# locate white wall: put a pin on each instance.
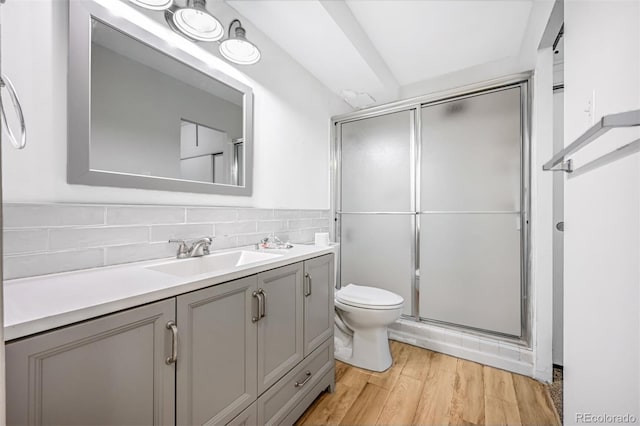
(525, 61)
(602, 211)
(292, 111)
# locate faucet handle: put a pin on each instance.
(183, 249)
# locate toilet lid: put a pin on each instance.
(363, 296)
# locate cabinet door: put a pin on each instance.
(319, 284)
(280, 329)
(111, 370)
(216, 369)
(249, 417)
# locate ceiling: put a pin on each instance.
(380, 46)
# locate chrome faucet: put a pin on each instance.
(199, 247)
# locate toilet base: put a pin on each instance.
(370, 350)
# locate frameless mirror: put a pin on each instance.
(144, 114)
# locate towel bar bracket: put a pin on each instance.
(565, 166)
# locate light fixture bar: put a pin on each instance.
(194, 22)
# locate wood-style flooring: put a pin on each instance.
(429, 388)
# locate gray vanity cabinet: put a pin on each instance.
(319, 283)
(256, 350)
(280, 330)
(112, 369)
(216, 368)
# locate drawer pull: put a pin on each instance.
(174, 343)
(304, 382)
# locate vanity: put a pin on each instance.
(237, 337)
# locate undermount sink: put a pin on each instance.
(212, 263)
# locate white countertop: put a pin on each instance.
(36, 304)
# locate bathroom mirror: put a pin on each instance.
(145, 114)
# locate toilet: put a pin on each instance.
(362, 316)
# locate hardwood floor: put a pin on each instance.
(429, 388)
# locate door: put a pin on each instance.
(280, 331)
(471, 211)
(376, 203)
(216, 368)
(111, 370)
(319, 284)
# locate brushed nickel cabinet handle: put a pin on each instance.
(263, 298)
(304, 382)
(310, 283)
(258, 297)
(171, 325)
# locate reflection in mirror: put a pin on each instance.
(152, 115)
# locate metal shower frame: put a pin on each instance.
(522, 80)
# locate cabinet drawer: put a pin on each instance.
(277, 402)
(328, 381)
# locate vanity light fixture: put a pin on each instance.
(153, 4)
(238, 49)
(191, 19)
(194, 21)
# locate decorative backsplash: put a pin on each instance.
(43, 239)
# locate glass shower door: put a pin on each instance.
(376, 205)
(471, 212)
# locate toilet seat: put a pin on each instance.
(360, 296)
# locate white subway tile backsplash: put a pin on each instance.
(249, 239)
(69, 238)
(223, 229)
(44, 215)
(320, 223)
(272, 226)
(48, 238)
(207, 214)
(314, 214)
(286, 214)
(138, 252)
(185, 231)
(301, 235)
(50, 263)
(222, 242)
(300, 223)
(248, 214)
(25, 241)
(147, 215)
(284, 236)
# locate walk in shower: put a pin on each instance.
(431, 202)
